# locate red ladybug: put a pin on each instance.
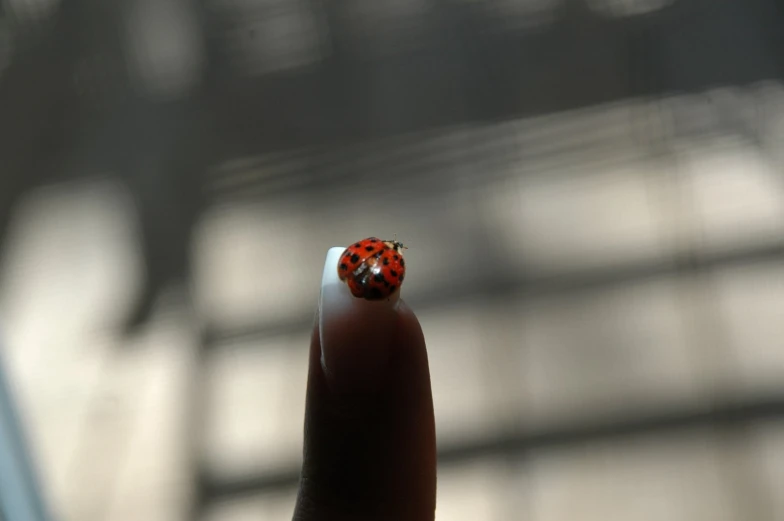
(372, 268)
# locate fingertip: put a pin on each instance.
(371, 455)
(356, 335)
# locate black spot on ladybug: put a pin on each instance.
(386, 261)
(355, 258)
(375, 293)
(343, 267)
(392, 288)
(373, 240)
(393, 273)
(403, 262)
(397, 257)
(357, 245)
(370, 248)
(379, 277)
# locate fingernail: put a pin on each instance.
(356, 335)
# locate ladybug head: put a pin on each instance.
(396, 245)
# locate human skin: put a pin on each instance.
(369, 449)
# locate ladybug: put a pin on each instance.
(372, 268)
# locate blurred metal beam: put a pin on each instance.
(726, 416)
(527, 286)
(469, 71)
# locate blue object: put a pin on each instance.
(20, 495)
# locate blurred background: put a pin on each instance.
(592, 192)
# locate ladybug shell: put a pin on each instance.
(372, 268)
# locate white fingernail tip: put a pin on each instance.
(336, 299)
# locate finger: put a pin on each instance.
(369, 430)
